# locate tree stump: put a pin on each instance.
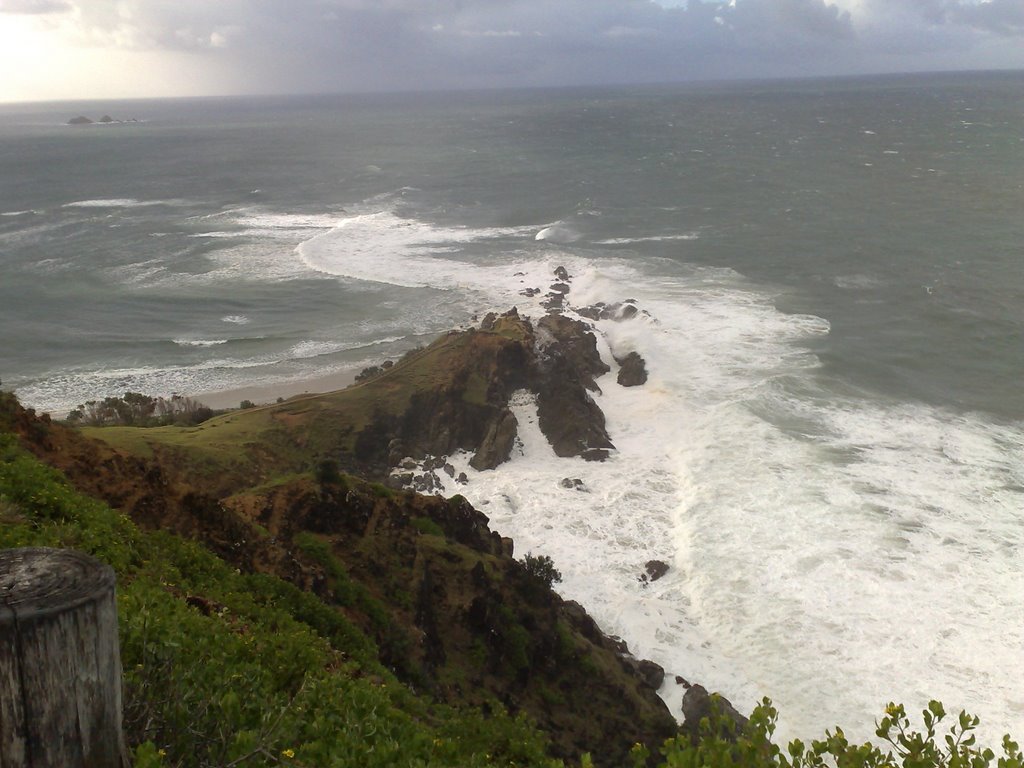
(60, 665)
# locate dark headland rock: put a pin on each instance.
(80, 120)
(454, 395)
(620, 310)
(655, 569)
(650, 673)
(698, 704)
(568, 363)
(632, 371)
(573, 341)
(497, 443)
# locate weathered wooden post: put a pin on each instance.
(60, 665)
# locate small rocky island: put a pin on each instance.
(105, 120)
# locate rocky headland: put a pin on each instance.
(328, 493)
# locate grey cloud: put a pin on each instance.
(410, 44)
(34, 6)
(1000, 16)
(1005, 17)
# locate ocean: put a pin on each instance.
(829, 452)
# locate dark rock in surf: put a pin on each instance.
(632, 371)
(553, 303)
(497, 443)
(562, 274)
(620, 310)
(650, 674)
(80, 120)
(656, 569)
(698, 704)
(568, 363)
(573, 341)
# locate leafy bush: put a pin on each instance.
(134, 409)
(719, 746)
(541, 569)
(428, 526)
(327, 473)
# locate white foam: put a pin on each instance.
(318, 348)
(118, 202)
(857, 282)
(235, 319)
(831, 552)
(648, 239)
(200, 342)
(558, 233)
(383, 247)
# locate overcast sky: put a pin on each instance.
(88, 49)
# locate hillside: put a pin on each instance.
(415, 589)
(286, 597)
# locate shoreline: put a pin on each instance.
(265, 394)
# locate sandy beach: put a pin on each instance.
(261, 394)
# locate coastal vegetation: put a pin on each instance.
(134, 409)
(286, 599)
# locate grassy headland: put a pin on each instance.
(280, 606)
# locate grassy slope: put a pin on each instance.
(243, 447)
(224, 668)
(220, 665)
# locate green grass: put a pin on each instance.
(241, 447)
(260, 672)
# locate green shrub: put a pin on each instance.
(428, 526)
(328, 473)
(718, 746)
(541, 569)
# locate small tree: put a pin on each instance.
(541, 569)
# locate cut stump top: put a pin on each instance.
(36, 582)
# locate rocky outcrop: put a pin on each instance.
(632, 370)
(699, 704)
(654, 570)
(568, 364)
(620, 310)
(573, 484)
(574, 342)
(497, 444)
(80, 120)
(478, 628)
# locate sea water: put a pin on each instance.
(829, 451)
